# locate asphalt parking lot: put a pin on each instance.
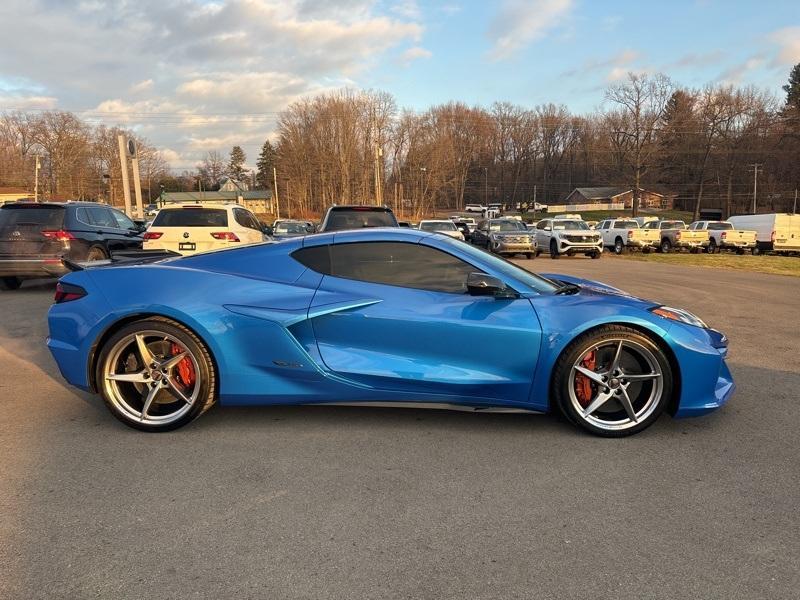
(312, 502)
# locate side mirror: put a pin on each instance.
(481, 284)
(311, 229)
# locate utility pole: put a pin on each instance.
(137, 183)
(486, 186)
(756, 169)
(36, 179)
(534, 200)
(378, 183)
(794, 208)
(123, 163)
(275, 184)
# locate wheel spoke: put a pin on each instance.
(151, 395)
(596, 377)
(642, 377)
(615, 363)
(130, 377)
(176, 391)
(171, 362)
(625, 400)
(144, 351)
(601, 399)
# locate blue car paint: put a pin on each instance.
(280, 333)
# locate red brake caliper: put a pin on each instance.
(186, 374)
(583, 385)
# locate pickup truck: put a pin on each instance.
(723, 236)
(674, 235)
(625, 234)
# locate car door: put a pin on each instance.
(249, 228)
(396, 316)
(480, 237)
(603, 229)
(543, 235)
(130, 238)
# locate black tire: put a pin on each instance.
(756, 250)
(712, 246)
(619, 246)
(740, 251)
(596, 254)
(646, 250)
(530, 255)
(10, 283)
(96, 253)
(554, 249)
(560, 382)
(206, 375)
(666, 246)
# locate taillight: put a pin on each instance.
(630, 233)
(677, 235)
(152, 235)
(724, 235)
(772, 237)
(225, 235)
(66, 292)
(58, 234)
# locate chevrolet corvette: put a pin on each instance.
(376, 316)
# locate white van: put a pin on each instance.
(777, 232)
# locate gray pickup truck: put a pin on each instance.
(675, 235)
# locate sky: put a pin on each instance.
(196, 75)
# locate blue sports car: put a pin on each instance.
(378, 316)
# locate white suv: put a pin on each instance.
(190, 228)
(567, 236)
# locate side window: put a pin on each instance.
(603, 225)
(390, 263)
(83, 216)
(540, 225)
(101, 217)
(245, 218)
(123, 222)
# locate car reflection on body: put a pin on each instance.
(350, 317)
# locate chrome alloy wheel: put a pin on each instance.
(616, 384)
(151, 378)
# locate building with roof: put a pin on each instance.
(12, 194)
(618, 195)
(257, 201)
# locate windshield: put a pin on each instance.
(507, 226)
(45, 217)
(359, 217)
(437, 226)
(627, 224)
(191, 217)
(558, 224)
(290, 228)
(720, 226)
(502, 266)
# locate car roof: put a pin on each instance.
(217, 205)
(58, 204)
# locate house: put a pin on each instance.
(618, 195)
(229, 184)
(258, 201)
(12, 194)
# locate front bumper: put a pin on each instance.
(503, 246)
(569, 246)
(31, 268)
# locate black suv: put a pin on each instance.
(35, 236)
(340, 218)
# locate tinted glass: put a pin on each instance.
(316, 258)
(507, 226)
(291, 228)
(123, 222)
(626, 224)
(191, 217)
(358, 218)
(101, 217)
(721, 226)
(542, 224)
(570, 225)
(39, 216)
(437, 226)
(673, 225)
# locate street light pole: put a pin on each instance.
(36, 180)
(756, 169)
(486, 186)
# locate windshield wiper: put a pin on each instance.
(568, 289)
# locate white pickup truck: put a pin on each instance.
(674, 236)
(625, 234)
(723, 236)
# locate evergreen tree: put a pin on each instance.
(236, 168)
(265, 164)
(792, 88)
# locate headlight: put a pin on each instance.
(678, 314)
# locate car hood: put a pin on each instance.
(589, 287)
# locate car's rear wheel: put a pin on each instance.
(619, 246)
(10, 283)
(156, 375)
(96, 253)
(612, 382)
(712, 246)
(666, 246)
(554, 249)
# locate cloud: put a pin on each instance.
(450, 9)
(617, 66)
(172, 69)
(520, 22)
(788, 40)
(415, 53)
(408, 9)
(737, 73)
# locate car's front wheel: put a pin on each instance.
(10, 283)
(156, 375)
(612, 382)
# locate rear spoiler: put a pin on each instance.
(125, 257)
